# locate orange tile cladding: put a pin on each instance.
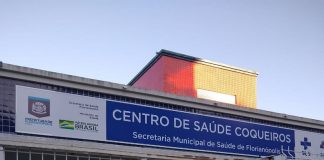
(227, 81)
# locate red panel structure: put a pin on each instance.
(179, 76)
(169, 75)
(153, 78)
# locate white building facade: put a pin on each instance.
(52, 116)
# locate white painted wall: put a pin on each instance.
(215, 96)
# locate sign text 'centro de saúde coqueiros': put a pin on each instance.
(160, 127)
(44, 112)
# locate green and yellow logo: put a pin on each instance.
(66, 124)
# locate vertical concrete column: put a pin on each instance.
(2, 153)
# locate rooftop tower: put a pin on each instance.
(185, 75)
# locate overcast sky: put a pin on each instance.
(283, 40)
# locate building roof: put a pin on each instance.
(48, 77)
(185, 57)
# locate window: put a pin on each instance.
(23, 156)
(9, 155)
(12, 153)
(36, 156)
(48, 157)
(60, 157)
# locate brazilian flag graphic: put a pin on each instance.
(66, 124)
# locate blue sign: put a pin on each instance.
(137, 124)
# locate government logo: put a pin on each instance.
(66, 124)
(38, 107)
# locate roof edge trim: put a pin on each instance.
(204, 61)
(146, 68)
(164, 52)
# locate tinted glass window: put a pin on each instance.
(48, 157)
(10, 156)
(36, 156)
(23, 156)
